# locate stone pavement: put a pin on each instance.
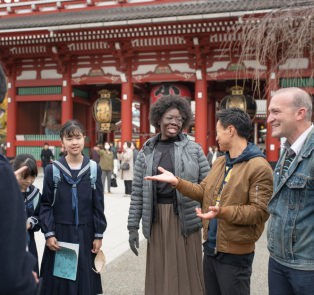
(124, 273)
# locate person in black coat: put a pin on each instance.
(16, 275)
(46, 156)
(135, 152)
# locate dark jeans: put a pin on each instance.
(128, 187)
(44, 169)
(284, 280)
(225, 279)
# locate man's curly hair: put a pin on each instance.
(169, 102)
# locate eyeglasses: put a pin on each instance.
(179, 121)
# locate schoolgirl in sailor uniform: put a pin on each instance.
(32, 199)
(74, 213)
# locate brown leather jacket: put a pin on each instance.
(243, 204)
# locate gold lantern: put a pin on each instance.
(107, 109)
(238, 99)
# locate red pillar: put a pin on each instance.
(11, 115)
(126, 106)
(67, 99)
(272, 144)
(89, 123)
(211, 122)
(201, 110)
(144, 122)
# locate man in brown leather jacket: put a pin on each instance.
(234, 197)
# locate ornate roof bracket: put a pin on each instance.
(61, 56)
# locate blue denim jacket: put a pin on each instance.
(290, 231)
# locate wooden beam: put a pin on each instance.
(36, 83)
(139, 99)
(51, 97)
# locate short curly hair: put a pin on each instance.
(169, 102)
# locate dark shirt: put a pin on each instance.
(164, 146)
(94, 156)
(115, 152)
(45, 156)
(288, 160)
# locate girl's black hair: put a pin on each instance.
(26, 160)
(169, 102)
(71, 128)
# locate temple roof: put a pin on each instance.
(199, 9)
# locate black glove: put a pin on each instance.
(133, 238)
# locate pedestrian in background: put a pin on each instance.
(31, 197)
(106, 164)
(115, 159)
(63, 152)
(126, 157)
(135, 151)
(174, 249)
(210, 156)
(46, 156)
(234, 199)
(290, 231)
(93, 154)
(216, 154)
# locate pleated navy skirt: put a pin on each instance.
(87, 281)
(33, 250)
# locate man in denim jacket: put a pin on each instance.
(291, 225)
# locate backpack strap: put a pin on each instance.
(56, 179)
(93, 174)
(35, 201)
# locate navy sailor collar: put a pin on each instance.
(31, 193)
(62, 164)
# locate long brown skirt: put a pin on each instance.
(174, 264)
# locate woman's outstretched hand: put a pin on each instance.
(166, 176)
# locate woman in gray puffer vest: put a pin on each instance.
(174, 250)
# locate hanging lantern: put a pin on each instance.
(169, 88)
(238, 99)
(107, 110)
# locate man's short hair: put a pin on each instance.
(96, 143)
(300, 99)
(237, 118)
(46, 143)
